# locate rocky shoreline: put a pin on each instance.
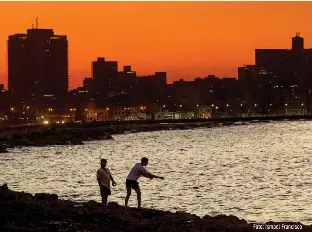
(77, 134)
(20, 211)
(51, 136)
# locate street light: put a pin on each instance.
(217, 110)
(226, 109)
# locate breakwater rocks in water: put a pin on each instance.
(73, 134)
(51, 136)
(21, 211)
(135, 128)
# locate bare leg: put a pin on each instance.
(104, 200)
(128, 196)
(138, 192)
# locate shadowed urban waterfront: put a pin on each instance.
(258, 172)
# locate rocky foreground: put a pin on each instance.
(21, 211)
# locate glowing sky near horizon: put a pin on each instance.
(185, 39)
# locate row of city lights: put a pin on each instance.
(227, 105)
(125, 108)
(143, 107)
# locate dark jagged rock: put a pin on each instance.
(4, 187)
(3, 148)
(21, 211)
(46, 196)
(72, 134)
(48, 137)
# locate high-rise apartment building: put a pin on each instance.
(292, 65)
(37, 64)
(105, 74)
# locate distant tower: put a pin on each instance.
(37, 64)
(297, 42)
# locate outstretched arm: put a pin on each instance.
(151, 176)
(157, 177)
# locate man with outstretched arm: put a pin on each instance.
(104, 177)
(131, 182)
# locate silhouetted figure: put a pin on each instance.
(131, 183)
(104, 177)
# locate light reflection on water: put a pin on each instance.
(258, 172)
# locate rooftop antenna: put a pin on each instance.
(37, 22)
(32, 26)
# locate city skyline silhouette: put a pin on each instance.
(191, 44)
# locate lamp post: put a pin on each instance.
(241, 109)
(226, 110)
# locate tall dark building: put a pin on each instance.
(37, 64)
(292, 65)
(126, 79)
(105, 74)
(151, 88)
(297, 42)
(284, 75)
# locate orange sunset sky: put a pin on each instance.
(185, 39)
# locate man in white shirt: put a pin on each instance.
(104, 177)
(131, 182)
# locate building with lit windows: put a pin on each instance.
(292, 65)
(104, 74)
(37, 64)
(127, 79)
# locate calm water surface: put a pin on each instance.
(258, 172)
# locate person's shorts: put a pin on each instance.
(132, 184)
(105, 191)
